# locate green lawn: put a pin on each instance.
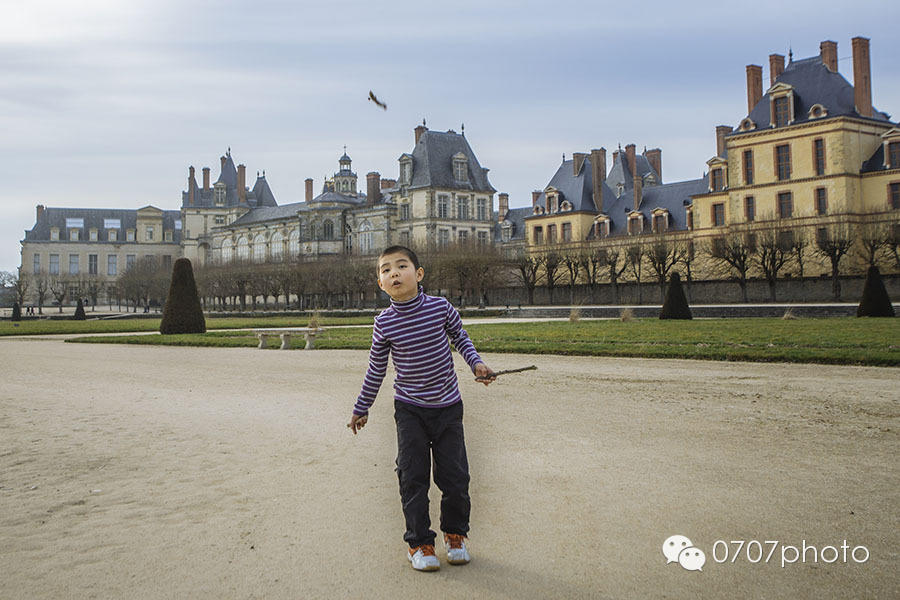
(45, 327)
(832, 341)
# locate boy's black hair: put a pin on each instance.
(401, 250)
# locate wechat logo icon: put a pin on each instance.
(678, 548)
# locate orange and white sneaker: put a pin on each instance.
(423, 558)
(457, 554)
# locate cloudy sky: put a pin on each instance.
(105, 103)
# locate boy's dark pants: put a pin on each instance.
(421, 434)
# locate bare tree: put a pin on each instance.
(634, 258)
(59, 289)
(551, 261)
(591, 265)
(834, 244)
(663, 254)
(613, 259)
(773, 254)
(734, 256)
(571, 259)
(41, 288)
(874, 241)
(527, 270)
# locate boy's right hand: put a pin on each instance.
(357, 422)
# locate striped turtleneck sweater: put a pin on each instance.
(415, 333)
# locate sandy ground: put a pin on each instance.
(150, 472)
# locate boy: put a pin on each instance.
(427, 406)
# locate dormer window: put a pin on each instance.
(817, 111)
(54, 234)
(781, 105)
(538, 210)
(635, 224)
(506, 231)
(566, 206)
(660, 221)
(716, 180)
(620, 188)
(460, 167)
(219, 194)
(405, 170)
(601, 228)
(747, 125)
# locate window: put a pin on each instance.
(482, 238)
(92, 264)
(219, 194)
(167, 235)
(73, 264)
(129, 261)
(112, 235)
(690, 220)
(819, 156)
(893, 155)
(54, 264)
(821, 201)
(821, 236)
(783, 162)
(293, 243)
(442, 207)
(481, 209)
(750, 242)
(366, 239)
(659, 223)
(93, 235)
(785, 205)
(538, 235)
(718, 214)
(716, 180)
(259, 248)
(404, 238)
(785, 240)
(405, 171)
(112, 223)
(635, 225)
(167, 262)
(276, 246)
(782, 111)
(718, 246)
(54, 234)
(748, 167)
(243, 249)
(443, 238)
(460, 170)
(750, 208)
(462, 208)
(894, 193)
(220, 220)
(149, 234)
(37, 264)
(328, 230)
(76, 223)
(462, 236)
(601, 229)
(404, 212)
(567, 232)
(227, 251)
(73, 292)
(112, 264)
(551, 234)
(74, 235)
(129, 235)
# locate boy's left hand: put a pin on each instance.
(484, 374)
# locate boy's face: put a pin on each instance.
(398, 277)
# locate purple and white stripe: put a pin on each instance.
(416, 334)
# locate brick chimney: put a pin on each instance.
(503, 208)
(221, 164)
(206, 179)
(419, 131)
(534, 197)
(373, 188)
(862, 81)
(598, 176)
(654, 157)
(828, 52)
(309, 189)
(39, 212)
(721, 132)
(629, 152)
(638, 191)
(776, 67)
(191, 186)
(387, 184)
(242, 184)
(578, 162)
(754, 86)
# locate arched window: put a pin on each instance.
(328, 230)
(365, 238)
(294, 244)
(227, 251)
(243, 249)
(277, 246)
(259, 248)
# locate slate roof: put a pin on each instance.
(260, 195)
(578, 190)
(516, 218)
(93, 219)
(269, 213)
(433, 163)
(263, 193)
(813, 83)
(621, 171)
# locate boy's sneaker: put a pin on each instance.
(457, 554)
(423, 558)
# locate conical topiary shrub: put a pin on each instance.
(875, 301)
(182, 312)
(79, 311)
(17, 312)
(675, 306)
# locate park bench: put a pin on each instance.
(285, 333)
